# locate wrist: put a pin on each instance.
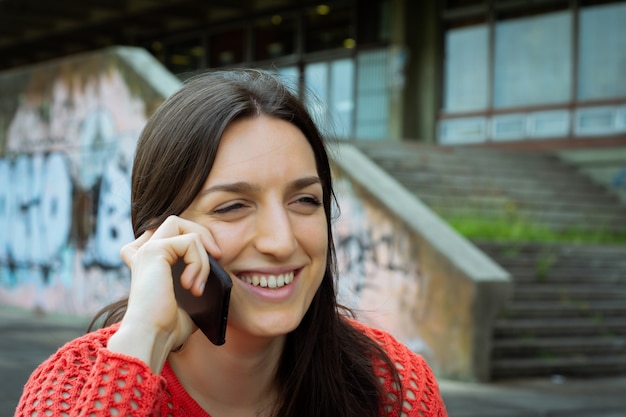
(149, 345)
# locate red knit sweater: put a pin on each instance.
(85, 379)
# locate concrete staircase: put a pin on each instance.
(490, 184)
(567, 315)
(568, 311)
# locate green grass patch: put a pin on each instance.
(521, 230)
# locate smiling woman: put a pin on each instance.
(233, 166)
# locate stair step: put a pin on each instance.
(463, 183)
(561, 347)
(569, 292)
(579, 365)
(565, 309)
(539, 274)
(541, 327)
(443, 158)
(465, 174)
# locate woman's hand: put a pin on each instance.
(154, 324)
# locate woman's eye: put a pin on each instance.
(229, 208)
(309, 200)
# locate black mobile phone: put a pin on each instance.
(210, 310)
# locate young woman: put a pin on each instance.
(232, 165)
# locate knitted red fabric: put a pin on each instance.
(419, 386)
(85, 379)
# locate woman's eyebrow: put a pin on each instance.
(232, 187)
(246, 187)
(304, 182)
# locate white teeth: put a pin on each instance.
(269, 281)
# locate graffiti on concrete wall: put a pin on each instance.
(65, 193)
(379, 275)
(36, 211)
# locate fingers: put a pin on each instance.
(177, 238)
(195, 257)
(191, 242)
(174, 225)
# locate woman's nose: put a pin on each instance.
(275, 233)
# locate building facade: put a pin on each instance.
(450, 72)
(543, 73)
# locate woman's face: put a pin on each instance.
(262, 202)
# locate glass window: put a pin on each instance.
(342, 95)
(533, 60)
(549, 123)
(290, 76)
(508, 127)
(228, 47)
(329, 27)
(274, 36)
(602, 58)
(316, 98)
(463, 130)
(372, 112)
(466, 74)
(596, 121)
(331, 98)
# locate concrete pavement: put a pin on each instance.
(26, 339)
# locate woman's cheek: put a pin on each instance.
(231, 238)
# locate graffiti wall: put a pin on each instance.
(68, 137)
(379, 275)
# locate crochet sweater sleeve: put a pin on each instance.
(421, 396)
(85, 379)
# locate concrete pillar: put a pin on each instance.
(423, 72)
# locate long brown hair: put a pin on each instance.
(326, 368)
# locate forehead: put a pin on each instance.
(263, 145)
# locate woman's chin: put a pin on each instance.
(268, 328)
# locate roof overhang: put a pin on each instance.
(38, 30)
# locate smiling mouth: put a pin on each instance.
(268, 281)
